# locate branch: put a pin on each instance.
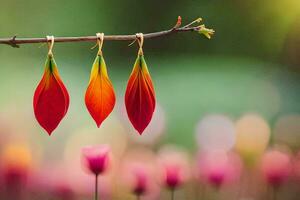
(14, 41)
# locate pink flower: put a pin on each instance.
(173, 177)
(96, 158)
(141, 181)
(137, 176)
(174, 167)
(16, 164)
(138, 173)
(15, 181)
(15, 174)
(218, 167)
(276, 167)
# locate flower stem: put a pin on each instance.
(274, 193)
(96, 187)
(172, 194)
(138, 197)
(216, 193)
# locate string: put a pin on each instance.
(100, 39)
(140, 39)
(50, 40)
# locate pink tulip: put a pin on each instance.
(174, 167)
(140, 179)
(173, 177)
(16, 166)
(138, 173)
(218, 167)
(14, 182)
(81, 182)
(276, 167)
(96, 158)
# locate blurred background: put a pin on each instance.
(237, 93)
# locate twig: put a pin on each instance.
(14, 41)
(193, 22)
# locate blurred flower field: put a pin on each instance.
(233, 159)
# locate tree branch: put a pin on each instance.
(14, 41)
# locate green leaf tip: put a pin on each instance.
(207, 32)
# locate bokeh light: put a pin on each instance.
(286, 130)
(253, 134)
(215, 132)
(112, 132)
(17, 155)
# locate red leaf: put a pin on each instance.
(140, 96)
(51, 98)
(100, 97)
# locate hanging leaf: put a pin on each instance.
(140, 95)
(51, 98)
(99, 97)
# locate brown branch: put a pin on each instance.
(14, 41)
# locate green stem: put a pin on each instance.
(172, 194)
(203, 195)
(217, 193)
(274, 193)
(96, 187)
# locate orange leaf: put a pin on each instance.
(99, 97)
